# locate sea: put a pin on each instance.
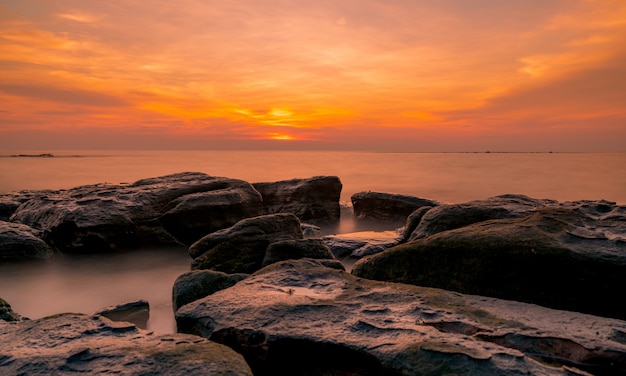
(87, 284)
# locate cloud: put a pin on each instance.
(69, 96)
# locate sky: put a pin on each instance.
(393, 75)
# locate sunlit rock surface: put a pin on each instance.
(568, 256)
(19, 242)
(315, 200)
(299, 317)
(70, 344)
(360, 244)
(159, 211)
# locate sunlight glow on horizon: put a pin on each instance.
(402, 75)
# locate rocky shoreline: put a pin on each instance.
(507, 285)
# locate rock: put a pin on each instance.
(387, 207)
(296, 249)
(360, 244)
(556, 257)
(19, 243)
(197, 284)
(6, 312)
(310, 231)
(298, 317)
(241, 248)
(448, 217)
(137, 312)
(412, 221)
(315, 200)
(161, 211)
(93, 345)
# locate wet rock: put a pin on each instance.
(93, 345)
(448, 217)
(281, 315)
(20, 243)
(315, 200)
(557, 257)
(241, 248)
(160, 211)
(386, 206)
(197, 284)
(296, 249)
(6, 312)
(137, 312)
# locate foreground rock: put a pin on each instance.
(19, 243)
(562, 257)
(315, 200)
(159, 211)
(197, 284)
(387, 207)
(69, 344)
(299, 317)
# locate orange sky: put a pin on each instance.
(396, 75)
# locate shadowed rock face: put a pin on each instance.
(315, 199)
(93, 345)
(6, 312)
(19, 243)
(567, 257)
(283, 314)
(159, 211)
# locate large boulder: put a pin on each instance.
(19, 242)
(70, 344)
(315, 200)
(558, 257)
(388, 207)
(299, 317)
(159, 211)
(448, 217)
(241, 247)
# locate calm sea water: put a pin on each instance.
(88, 284)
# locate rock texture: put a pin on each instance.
(241, 248)
(159, 211)
(449, 217)
(70, 344)
(386, 206)
(299, 317)
(20, 243)
(315, 200)
(569, 256)
(296, 249)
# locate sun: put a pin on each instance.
(281, 136)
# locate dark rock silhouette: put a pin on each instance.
(20, 243)
(388, 207)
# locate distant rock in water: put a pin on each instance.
(44, 155)
(6, 312)
(137, 312)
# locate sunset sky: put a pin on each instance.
(393, 75)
